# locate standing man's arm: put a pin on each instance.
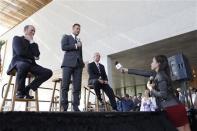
(66, 46)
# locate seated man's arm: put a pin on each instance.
(18, 47)
(91, 73)
(105, 75)
(35, 49)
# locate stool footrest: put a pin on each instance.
(21, 99)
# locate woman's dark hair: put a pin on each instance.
(163, 64)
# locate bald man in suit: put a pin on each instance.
(98, 78)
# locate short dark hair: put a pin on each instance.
(76, 24)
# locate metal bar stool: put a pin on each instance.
(90, 90)
(14, 99)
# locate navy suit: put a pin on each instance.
(23, 61)
(94, 75)
(72, 66)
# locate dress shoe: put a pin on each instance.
(27, 96)
(20, 94)
(76, 109)
(64, 108)
(114, 109)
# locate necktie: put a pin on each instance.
(98, 68)
(76, 38)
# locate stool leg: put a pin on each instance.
(71, 105)
(96, 104)
(52, 97)
(27, 102)
(88, 98)
(36, 100)
(60, 96)
(55, 104)
(26, 106)
(13, 97)
(6, 93)
(85, 99)
(105, 103)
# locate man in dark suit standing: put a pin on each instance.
(99, 80)
(72, 66)
(25, 52)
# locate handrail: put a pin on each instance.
(3, 89)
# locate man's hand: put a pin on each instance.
(79, 44)
(29, 38)
(36, 58)
(123, 70)
(101, 81)
(150, 86)
(105, 82)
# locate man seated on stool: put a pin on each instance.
(99, 80)
(25, 52)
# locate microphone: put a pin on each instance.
(151, 79)
(78, 40)
(118, 65)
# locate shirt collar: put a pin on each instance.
(96, 63)
(73, 35)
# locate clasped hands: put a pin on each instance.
(103, 81)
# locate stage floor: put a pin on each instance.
(84, 121)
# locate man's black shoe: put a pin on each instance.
(20, 94)
(27, 96)
(76, 109)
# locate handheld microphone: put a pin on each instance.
(118, 65)
(78, 39)
(151, 79)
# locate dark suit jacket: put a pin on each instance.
(72, 56)
(94, 72)
(23, 51)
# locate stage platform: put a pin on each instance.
(84, 121)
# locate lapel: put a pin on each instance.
(25, 42)
(97, 67)
(73, 39)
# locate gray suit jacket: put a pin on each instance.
(72, 57)
(163, 92)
